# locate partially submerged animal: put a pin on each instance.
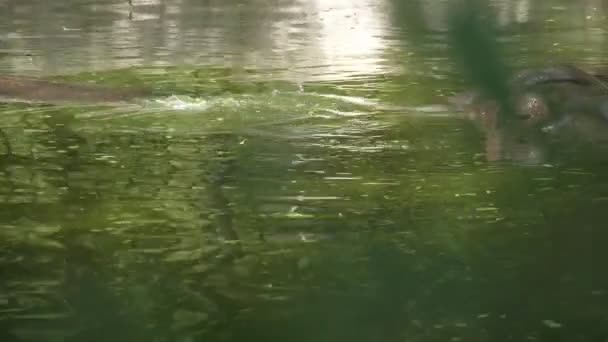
(549, 104)
(540, 95)
(13, 88)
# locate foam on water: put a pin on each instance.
(176, 102)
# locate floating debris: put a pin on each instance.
(486, 209)
(552, 324)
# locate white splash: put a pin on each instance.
(183, 103)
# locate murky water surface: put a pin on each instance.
(291, 175)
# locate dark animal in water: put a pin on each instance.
(550, 103)
(542, 94)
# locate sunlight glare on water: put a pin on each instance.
(341, 23)
(308, 39)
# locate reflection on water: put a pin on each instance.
(283, 35)
(300, 39)
(283, 183)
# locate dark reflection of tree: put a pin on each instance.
(542, 275)
(218, 163)
(176, 287)
(99, 312)
(9, 159)
(102, 304)
(54, 167)
(219, 171)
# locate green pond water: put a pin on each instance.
(299, 197)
